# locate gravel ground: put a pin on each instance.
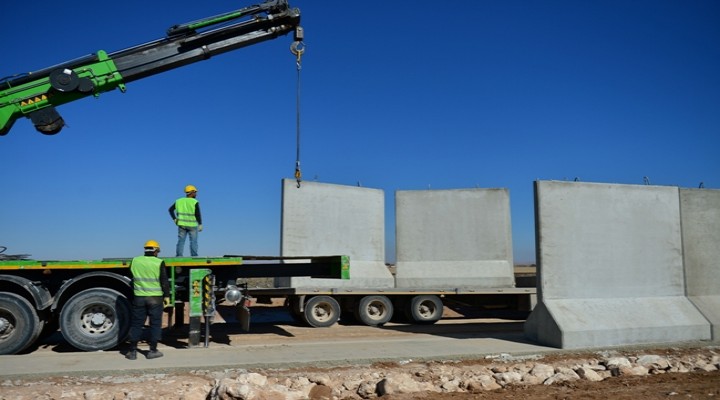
(320, 382)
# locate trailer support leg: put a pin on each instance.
(179, 315)
(207, 331)
(194, 335)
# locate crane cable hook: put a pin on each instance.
(298, 48)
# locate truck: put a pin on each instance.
(88, 300)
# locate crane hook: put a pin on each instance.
(298, 48)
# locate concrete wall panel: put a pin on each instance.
(588, 323)
(607, 241)
(610, 266)
(700, 215)
(327, 219)
(453, 238)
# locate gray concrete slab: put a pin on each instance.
(327, 219)
(453, 238)
(700, 217)
(278, 355)
(610, 268)
(588, 323)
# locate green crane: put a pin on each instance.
(36, 95)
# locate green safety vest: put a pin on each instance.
(146, 276)
(185, 209)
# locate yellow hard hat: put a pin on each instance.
(151, 244)
(190, 189)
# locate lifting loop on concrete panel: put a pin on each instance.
(298, 48)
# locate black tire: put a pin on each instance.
(321, 311)
(19, 323)
(95, 319)
(425, 309)
(374, 310)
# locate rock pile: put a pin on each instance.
(364, 382)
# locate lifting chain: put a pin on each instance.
(298, 48)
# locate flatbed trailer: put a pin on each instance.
(324, 306)
(89, 300)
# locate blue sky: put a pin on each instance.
(395, 96)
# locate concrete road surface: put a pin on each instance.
(275, 355)
(278, 342)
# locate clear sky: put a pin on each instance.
(395, 96)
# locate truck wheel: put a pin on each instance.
(95, 319)
(426, 309)
(321, 311)
(19, 323)
(374, 310)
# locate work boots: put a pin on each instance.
(153, 354)
(131, 355)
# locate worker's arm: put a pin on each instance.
(164, 283)
(198, 216)
(172, 211)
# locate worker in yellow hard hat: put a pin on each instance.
(151, 293)
(185, 211)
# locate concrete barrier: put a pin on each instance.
(453, 238)
(610, 267)
(700, 216)
(326, 219)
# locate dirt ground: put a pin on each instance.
(695, 385)
(689, 385)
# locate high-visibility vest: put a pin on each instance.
(185, 209)
(146, 276)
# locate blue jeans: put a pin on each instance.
(183, 232)
(142, 308)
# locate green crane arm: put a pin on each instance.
(35, 95)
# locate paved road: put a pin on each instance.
(277, 342)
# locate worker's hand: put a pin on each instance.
(166, 302)
(199, 228)
(175, 221)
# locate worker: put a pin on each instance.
(186, 214)
(151, 291)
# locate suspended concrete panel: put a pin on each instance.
(326, 219)
(700, 216)
(610, 267)
(453, 239)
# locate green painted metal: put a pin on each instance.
(197, 276)
(32, 95)
(34, 264)
(172, 285)
(117, 263)
(199, 261)
(216, 19)
(344, 267)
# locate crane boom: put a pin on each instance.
(35, 95)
